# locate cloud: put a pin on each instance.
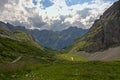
(52, 14)
(2, 2)
(36, 21)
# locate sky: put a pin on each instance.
(53, 14)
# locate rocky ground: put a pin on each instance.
(107, 55)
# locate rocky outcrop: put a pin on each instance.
(111, 32)
(104, 33)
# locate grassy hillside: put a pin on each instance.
(11, 49)
(19, 44)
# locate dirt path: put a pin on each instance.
(16, 60)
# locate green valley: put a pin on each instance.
(93, 56)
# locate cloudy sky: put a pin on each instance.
(52, 14)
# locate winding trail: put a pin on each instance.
(16, 60)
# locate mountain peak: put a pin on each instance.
(113, 10)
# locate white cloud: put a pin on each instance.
(81, 15)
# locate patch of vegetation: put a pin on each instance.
(71, 57)
(113, 17)
(26, 38)
(61, 71)
(92, 33)
(81, 45)
(22, 36)
(117, 59)
(5, 32)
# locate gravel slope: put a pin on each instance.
(107, 55)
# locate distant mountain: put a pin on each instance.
(104, 33)
(57, 40)
(11, 28)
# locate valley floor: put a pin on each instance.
(94, 70)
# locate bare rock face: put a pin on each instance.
(111, 26)
(104, 33)
(112, 32)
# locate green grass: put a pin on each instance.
(26, 38)
(21, 44)
(12, 49)
(62, 71)
(5, 32)
(70, 57)
(81, 45)
(117, 59)
(22, 36)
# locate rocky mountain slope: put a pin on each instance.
(104, 33)
(57, 40)
(107, 55)
(11, 28)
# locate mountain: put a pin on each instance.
(57, 40)
(11, 28)
(17, 44)
(104, 33)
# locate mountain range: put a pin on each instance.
(57, 40)
(54, 40)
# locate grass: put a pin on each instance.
(81, 45)
(71, 57)
(117, 59)
(5, 32)
(12, 49)
(26, 38)
(62, 71)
